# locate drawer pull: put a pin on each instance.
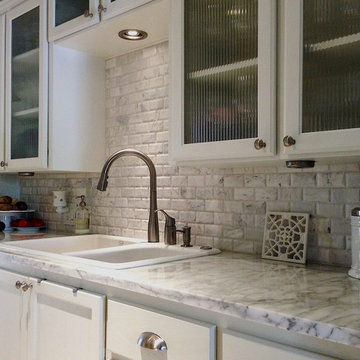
(151, 341)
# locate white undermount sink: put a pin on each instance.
(111, 252)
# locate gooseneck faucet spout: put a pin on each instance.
(153, 224)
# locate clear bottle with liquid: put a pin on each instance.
(82, 217)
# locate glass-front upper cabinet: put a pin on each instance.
(222, 80)
(321, 76)
(26, 86)
(69, 16)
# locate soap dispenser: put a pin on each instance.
(82, 217)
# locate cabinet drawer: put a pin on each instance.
(185, 339)
(244, 347)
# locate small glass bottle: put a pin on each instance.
(82, 217)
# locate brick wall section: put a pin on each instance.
(224, 207)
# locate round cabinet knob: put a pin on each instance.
(152, 341)
(18, 284)
(259, 144)
(26, 287)
(87, 13)
(101, 9)
(3, 164)
(289, 141)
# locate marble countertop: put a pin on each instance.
(319, 301)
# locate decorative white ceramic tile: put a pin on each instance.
(285, 236)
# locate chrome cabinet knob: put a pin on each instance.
(259, 144)
(87, 13)
(152, 341)
(289, 141)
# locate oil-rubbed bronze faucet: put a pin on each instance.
(153, 224)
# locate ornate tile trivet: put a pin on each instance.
(285, 236)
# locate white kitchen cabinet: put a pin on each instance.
(6, 5)
(236, 346)
(117, 7)
(184, 338)
(65, 323)
(26, 95)
(68, 16)
(222, 80)
(321, 77)
(54, 99)
(43, 320)
(13, 306)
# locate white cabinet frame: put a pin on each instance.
(39, 162)
(120, 6)
(322, 142)
(74, 25)
(2, 89)
(234, 149)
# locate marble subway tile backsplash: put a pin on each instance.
(225, 207)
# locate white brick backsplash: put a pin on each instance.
(336, 179)
(353, 180)
(244, 194)
(278, 180)
(303, 180)
(224, 206)
(316, 194)
(344, 195)
(330, 210)
(266, 194)
(255, 180)
(290, 194)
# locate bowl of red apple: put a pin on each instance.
(24, 225)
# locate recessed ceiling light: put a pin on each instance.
(133, 34)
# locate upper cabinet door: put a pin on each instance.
(321, 76)
(69, 16)
(2, 91)
(26, 86)
(223, 79)
(116, 7)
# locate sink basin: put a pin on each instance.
(65, 244)
(135, 255)
(106, 251)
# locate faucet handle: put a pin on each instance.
(170, 228)
(169, 220)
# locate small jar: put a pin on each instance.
(355, 243)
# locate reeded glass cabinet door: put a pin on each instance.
(322, 75)
(69, 16)
(26, 95)
(223, 79)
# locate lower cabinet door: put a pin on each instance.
(135, 333)
(65, 323)
(13, 307)
(238, 346)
